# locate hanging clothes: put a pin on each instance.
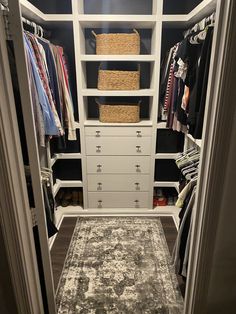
(183, 94)
(50, 89)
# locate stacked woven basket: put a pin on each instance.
(119, 44)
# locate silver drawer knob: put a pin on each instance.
(138, 168)
(98, 149)
(99, 168)
(138, 149)
(98, 133)
(139, 133)
(137, 186)
(99, 203)
(99, 187)
(136, 202)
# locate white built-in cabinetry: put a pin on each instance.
(118, 161)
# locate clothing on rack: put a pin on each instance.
(184, 79)
(50, 89)
(188, 163)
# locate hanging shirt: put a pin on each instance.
(48, 117)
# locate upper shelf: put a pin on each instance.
(133, 93)
(205, 8)
(115, 20)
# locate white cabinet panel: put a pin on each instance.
(118, 146)
(118, 164)
(111, 182)
(118, 131)
(118, 200)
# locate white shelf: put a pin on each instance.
(65, 156)
(32, 13)
(97, 92)
(205, 8)
(161, 125)
(139, 58)
(98, 123)
(166, 155)
(197, 142)
(116, 20)
(66, 184)
(167, 184)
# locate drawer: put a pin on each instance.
(133, 131)
(118, 200)
(118, 146)
(118, 165)
(111, 182)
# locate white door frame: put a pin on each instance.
(15, 216)
(217, 157)
(218, 128)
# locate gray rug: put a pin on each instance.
(118, 265)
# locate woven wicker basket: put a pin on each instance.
(119, 113)
(117, 44)
(118, 80)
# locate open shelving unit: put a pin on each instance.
(153, 22)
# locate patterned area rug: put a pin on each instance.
(118, 265)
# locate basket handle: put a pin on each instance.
(135, 30)
(94, 34)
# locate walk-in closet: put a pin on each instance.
(114, 104)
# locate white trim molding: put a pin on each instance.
(217, 169)
(15, 217)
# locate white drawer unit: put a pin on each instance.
(118, 200)
(118, 164)
(118, 146)
(133, 131)
(111, 182)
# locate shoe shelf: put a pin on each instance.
(66, 184)
(65, 156)
(167, 184)
(166, 155)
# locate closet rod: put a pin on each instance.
(201, 25)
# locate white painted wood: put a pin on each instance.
(95, 122)
(167, 184)
(118, 146)
(116, 20)
(15, 217)
(34, 163)
(131, 93)
(118, 164)
(205, 8)
(161, 125)
(169, 211)
(210, 288)
(166, 155)
(118, 200)
(139, 58)
(195, 141)
(117, 183)
(79, 48)
(133, 131)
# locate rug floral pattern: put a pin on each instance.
(118, 265)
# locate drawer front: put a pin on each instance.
(106, 183)
(118, 165)
(132, 131)
(118, 146)
(118, 200)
